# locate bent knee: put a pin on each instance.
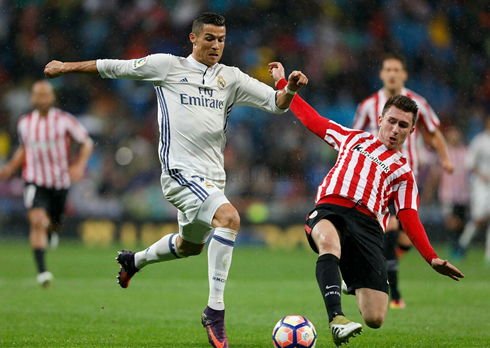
(190, 251)
(374, 322)
(227, 216)
(39, 220)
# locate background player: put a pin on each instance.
(346, 227)
(478, 163)
(44, 136)
(195, 97)
(453, 189)
(393, 73)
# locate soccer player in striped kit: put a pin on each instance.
(393, 74)
(195, 97)
(351, 209)
(44, 136)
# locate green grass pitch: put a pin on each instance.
(85, 307)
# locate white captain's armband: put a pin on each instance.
(139, 62)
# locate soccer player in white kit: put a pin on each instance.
(195, 97)
(351, 211)
(393, 74)
(478, 163)
(44, 136)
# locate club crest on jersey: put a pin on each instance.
(208, 184)
(139, 62)
(221, 82)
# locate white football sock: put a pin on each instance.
(220, 253)
(163, 250)
(467, 235)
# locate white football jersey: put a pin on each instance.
(194, 102)
(478, 156)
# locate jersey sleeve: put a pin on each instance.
(406, 193)
(411, 224)
(361, 119)
(75, 129)
(427, 116)
(251, 92)
(20, 134)
(153, 68)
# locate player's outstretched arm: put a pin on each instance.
(410, 222)
(445, 268)
(300, 108)
(56, 68)
(438, 142)
(284, 97)
(15, 163)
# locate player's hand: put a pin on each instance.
(53, 69)
(448, 166)
(76, 173)
(276, 70)
(297, 80)
(445, 268)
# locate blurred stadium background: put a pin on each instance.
(274, 165)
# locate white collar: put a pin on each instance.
(198, 65)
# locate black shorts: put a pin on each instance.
(362, 262)
(459, 211)
(52, 200)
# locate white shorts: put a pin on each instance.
(480, 201)
(197, 200)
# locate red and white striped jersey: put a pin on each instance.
(455, 188)
(366, 171)
(46, 141)
(372, 107)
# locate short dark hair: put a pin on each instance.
(207, 18)
(404, 103)
(396, 56)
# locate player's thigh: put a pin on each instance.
(37, 203)
(326, 238)
(192, 233)
(38, 218)
(372, 305)
(192, 194)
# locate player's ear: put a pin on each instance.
(193, 38)
(380, 120)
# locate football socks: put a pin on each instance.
(390, 244)
(163, 250)
(39, 258)
(468, 234)
(328, 277)
(220, 252)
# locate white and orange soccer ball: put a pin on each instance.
(294, 331)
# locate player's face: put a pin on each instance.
(209, 44)
(394, 127)
(42, 96)
(393, 75)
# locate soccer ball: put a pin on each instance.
(294, 331)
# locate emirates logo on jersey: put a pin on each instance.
(380, 163)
